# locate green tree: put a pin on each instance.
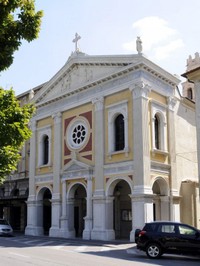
(14, 130)
(18, 21)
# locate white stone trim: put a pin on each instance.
(41, 133)
(161, 111)
(69, 131)
(113, 111)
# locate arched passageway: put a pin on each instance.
(77, 208)
(47, 210)
(44, 210)
(161, 202)
(122, 213)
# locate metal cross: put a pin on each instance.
(75, 40)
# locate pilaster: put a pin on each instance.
(99, 144)
(88, 219)
(31, 228)
(142, 211)
(141, 148)
(172, 153)
(56, 201)
(32, 162)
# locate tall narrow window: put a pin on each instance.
(189, 94)
(119, 133)
(45, 149)
(157, 131)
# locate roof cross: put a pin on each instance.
(75, 40)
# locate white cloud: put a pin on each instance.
(164, 51)
(158, 39)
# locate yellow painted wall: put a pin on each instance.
(114, 99)
(159, 157)
(158, 97)
(40, 124)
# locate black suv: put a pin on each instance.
(157, 238)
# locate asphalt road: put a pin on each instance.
(42, 251)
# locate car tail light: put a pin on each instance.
(142, 233)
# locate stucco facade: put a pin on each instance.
(113, 146)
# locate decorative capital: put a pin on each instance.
(171, 103)
(57, 117)
(99, 103)
(140, 90)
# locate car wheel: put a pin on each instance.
(153, 251)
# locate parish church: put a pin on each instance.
(113, 146)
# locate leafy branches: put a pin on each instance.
(14, 130)
(18, 21)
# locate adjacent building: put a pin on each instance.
(14, 191)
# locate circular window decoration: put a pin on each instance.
(77, 134)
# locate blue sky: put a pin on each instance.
(169, 31)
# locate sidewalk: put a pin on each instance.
(80, 240)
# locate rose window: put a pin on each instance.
(78, 134)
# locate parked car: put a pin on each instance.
(157, 238)
(5, 228)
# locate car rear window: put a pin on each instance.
(150, 227)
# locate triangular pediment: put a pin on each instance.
(82, 70)
(76, 169)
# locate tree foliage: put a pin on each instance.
(18, 21)
(14, 130)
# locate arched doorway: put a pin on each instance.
(122, 213)
(47, 211)
(44, 210)
(78, 211)
(161, 202)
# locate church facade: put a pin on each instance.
(113, 146)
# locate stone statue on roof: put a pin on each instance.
(139, 45)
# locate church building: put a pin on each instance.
(113, 146)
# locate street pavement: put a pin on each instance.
(22, 250)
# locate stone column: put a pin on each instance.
(56, 201)
(141, 203)
(142, 211)
(64, 232)
(70, 213)
(31, 228)
(110, 233)
(88, 218)
(172, 155)
(98, 231)
(165, 207)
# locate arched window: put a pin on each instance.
(157, 131)
(119, 133)
(190, 94)
(45, 149)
